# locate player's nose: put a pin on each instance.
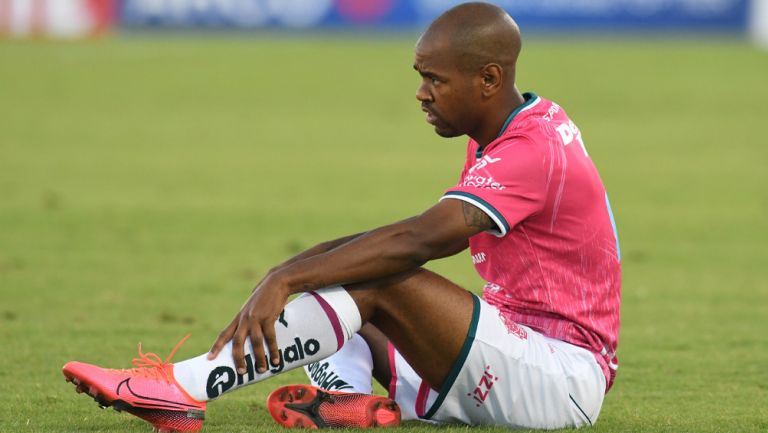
(422, 94)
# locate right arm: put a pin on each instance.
(324, 247)
(317, 249)
(442, 230)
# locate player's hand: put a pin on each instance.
(256, 320)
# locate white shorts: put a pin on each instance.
(517, 378)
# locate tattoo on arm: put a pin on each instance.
(474, 217)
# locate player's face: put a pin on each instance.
(447, 94)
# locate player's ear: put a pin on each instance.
(492, 75)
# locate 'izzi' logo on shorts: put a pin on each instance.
(483, 388)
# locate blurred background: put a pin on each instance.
(77, 18)
(157, 157)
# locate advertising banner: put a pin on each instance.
(415, 14)
(56, 18)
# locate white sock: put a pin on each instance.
(311, 328)
(348, 370)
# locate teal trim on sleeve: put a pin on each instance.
(498, 216)
(459, 364)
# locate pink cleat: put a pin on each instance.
(306, 406)
(149, 391)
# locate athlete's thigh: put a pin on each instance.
(424, 315)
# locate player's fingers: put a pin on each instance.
(268, 328)
(238, 354)
(223, 338)
(257, 341)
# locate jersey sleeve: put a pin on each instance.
(508, 184)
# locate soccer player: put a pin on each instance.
(537, 351)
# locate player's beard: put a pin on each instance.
(445, 130)
(442, 128)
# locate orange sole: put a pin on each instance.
(296, 406)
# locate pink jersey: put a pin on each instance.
(553, 264)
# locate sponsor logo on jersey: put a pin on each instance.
(553, 109)
(482, 182)
(483, 162)
(569, 133)
(492, 287)
(478, 258)
(325, 378)
(478, 181)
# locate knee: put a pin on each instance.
(392, 283)
(371, 296)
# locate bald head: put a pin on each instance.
(466, 59)
(476, 34)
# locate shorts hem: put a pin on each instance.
(458, 365)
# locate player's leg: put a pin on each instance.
(378, 344)
(172, 396)
(553, 384)
(312, 327)
(420, 288)
(409, 308)
(353, 368)
(389, 369)
(348, 370)
(424, 315)
(506, 375)
(416, 317)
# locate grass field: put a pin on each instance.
(146, 184)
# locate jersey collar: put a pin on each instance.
(529, 98)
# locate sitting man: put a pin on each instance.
(537, 351)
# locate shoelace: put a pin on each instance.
(151, 365)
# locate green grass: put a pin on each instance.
(146, 184)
